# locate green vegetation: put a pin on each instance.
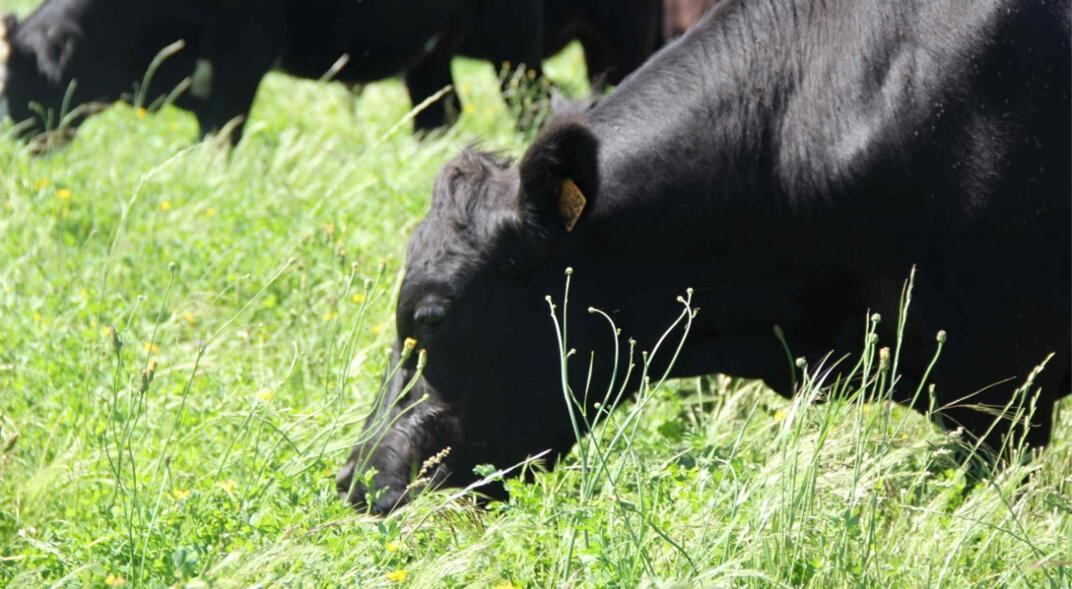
(189, 340)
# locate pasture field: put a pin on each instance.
(190, 339)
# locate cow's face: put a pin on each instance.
(57, 70)
(479, 267)
(34, 89)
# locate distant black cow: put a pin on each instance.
(790, 161)
(71, 52)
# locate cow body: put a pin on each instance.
(790, 161)
(106, 47)
(824, 175)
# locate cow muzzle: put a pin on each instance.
(407, 445)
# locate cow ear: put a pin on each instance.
(559, 175)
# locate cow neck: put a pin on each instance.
(685, 165)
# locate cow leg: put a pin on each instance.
(513, 32)
(615, 46)
(429, 76)
(240, 52)
(598, 63)
(238, 70)
(228, 109)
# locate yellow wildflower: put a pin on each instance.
(115, 581)
(106, 331)
(358, 298)
(210, 212)
(264, 395)
(150, 348)
(506, 585)
(228, 486)
(37, 317)
(469, 109)
(42, 183)
(141, 113)
(331, 316)
(378, 328)
(409, 344)
(165, 206)
(780, 415)
(63, 194)
(189, 318)
(180, 494)
(393, 547)
(398, 576)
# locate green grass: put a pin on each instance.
(251, 298)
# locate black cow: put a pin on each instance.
(790, 161)
(71, 52)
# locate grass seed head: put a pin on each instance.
(433, 461)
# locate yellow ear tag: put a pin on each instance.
(571, 204)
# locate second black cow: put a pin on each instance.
(69, 53)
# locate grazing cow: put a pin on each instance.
(69, 53)
(789, 161)
(679, 15)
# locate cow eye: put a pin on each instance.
(430, 315)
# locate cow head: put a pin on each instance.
(35, 63)
(60, 65)
(479, 267)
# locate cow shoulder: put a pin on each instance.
(876, 90)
